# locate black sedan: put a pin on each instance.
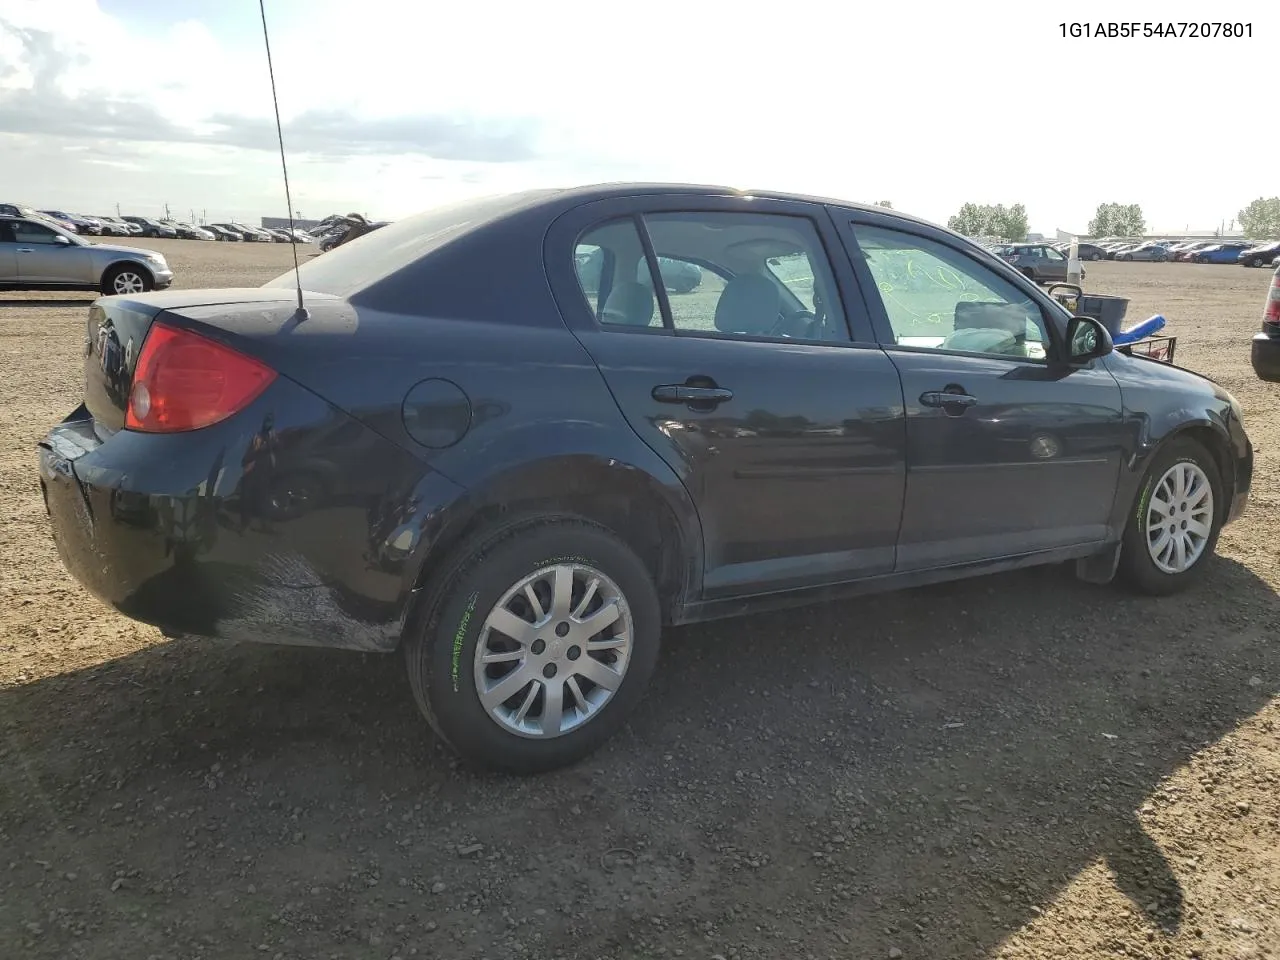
(456, 449)
(1263, 255)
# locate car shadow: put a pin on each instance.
(47, 303)
(920, 771)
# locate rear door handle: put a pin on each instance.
(681, 393)
(24, 250)
(943, 398)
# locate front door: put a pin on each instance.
(42, 258)
(8, 259)
(1008, 453)
(739, 368)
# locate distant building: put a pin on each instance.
(282, 223)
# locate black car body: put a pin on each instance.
(852, 400)
(1263, 255)
(1265, 353)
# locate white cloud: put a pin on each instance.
(927, 104)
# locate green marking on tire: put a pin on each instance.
(1142, 502)
(460, 635)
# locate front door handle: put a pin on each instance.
(24, 250)
(954, 402)
(683, 393)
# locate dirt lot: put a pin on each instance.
(1022, 766)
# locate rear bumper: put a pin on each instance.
(168, 530)
(1264, 354)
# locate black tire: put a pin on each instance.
(441, 653)
(1095, 256)
(109, 278)
(1137, 569)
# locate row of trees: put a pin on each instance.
(1260, 220)
(986, 220)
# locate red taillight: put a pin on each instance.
(184, 381)
(1271, 314)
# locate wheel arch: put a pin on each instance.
(115, 265)
(1214, 439)
(660, 525)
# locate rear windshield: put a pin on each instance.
(368, 259)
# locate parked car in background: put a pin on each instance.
(220, 232)
(678, 276)
(188, 231)
(153, 228)
(1086, 251)
(522, 539)
(1037, 261)
(29, 212)
(257, 233)
(239, 232)
(1265, 352)
(75, 223)
(1262, 255)
(1153, 252)
(115, 227)
(1218, 253)
(37, 254)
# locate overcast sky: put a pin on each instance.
(391, 106)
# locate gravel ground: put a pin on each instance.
(1018, 766)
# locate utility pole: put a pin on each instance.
(166, 212)
(117, 209)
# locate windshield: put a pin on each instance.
(376, 255)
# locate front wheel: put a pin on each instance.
(1175, 524)
(125, 279)
(536, 650)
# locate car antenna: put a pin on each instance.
(275, 102)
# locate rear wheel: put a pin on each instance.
(1175, 524)
(126, 279)
(536, 650)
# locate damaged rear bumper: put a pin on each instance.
(156, 527)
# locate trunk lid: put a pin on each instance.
(118, 326)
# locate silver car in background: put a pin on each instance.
(37, 254)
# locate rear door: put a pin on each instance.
(750, 372)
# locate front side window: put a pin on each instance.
(936, 297)
(27, 232)
(1053, 254)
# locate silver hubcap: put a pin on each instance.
(1179, 518)
(553, 651)
(128, 282)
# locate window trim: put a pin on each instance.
(566, 231)
(1054, 320)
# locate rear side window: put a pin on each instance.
(614, 275)
(764, 276)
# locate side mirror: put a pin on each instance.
(1087, 339)
(59, 238)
